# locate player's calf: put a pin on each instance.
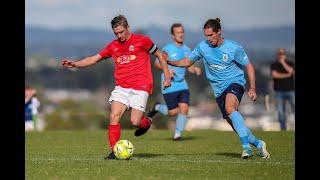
(144, 126)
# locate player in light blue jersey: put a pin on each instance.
(177, 95)
(224, 62)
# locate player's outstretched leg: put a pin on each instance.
(259, 144)
(239, 125)
(180, 124)
(114, 136)
(114, 128)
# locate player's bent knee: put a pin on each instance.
(135, 122)
(114, 118)
(173, 112)
(230, 110)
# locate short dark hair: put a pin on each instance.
(119, 20)
(214, 24)
(175, 25)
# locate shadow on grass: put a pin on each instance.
(233, 155)
(183, 138)
(147, 155)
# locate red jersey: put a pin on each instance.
(132, 62)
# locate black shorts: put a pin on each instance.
(174, 98)
(233, 88)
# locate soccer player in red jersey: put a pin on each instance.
(134, 81)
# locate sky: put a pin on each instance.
(97, 14)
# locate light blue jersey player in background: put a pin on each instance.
(224, 62)
(177, 95)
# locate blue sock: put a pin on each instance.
(240, 127)
(162, 108)
(253, 140)
(180, 123)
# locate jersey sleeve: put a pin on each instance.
(106, 52)
(241, 56)
(149, 45)
(196, 54)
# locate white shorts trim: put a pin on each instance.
(136, 99)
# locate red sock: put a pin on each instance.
(114, 134)
(144, 122)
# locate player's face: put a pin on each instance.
(122, 33)
(178, 34)
(213, 37)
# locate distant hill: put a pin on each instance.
(81, 42)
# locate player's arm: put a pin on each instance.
(158, 66)
(252, 81)
(85, 62)
(194, 70)
(185, 62)
(278, 75)
(241, 57)
(194, 56)
(164, 66)
(156, 62)
(288, 68)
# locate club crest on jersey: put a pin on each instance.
(225, 57)
(131, 48)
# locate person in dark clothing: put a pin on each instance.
(282, 71)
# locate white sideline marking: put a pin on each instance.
(168, 160)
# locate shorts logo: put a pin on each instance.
(125, 59)
(131, 48)
(225, 57)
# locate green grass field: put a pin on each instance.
(203, 154)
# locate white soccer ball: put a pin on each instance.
(123, 149)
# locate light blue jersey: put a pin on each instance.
(223, 64)
(176, 53)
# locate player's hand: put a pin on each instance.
(198, 71)
(68, 64)
(252, 94)
(166, 83)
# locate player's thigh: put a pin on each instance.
(120, 95)
(117, 110)
(172, 102)
(231, 103)
(138, 99)
(173, 112)
(184, 99)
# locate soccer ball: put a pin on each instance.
(123, 149)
